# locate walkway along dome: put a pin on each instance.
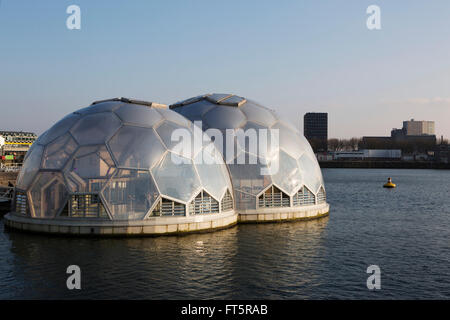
(109, 169)
(295, 191)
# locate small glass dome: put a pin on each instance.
(297, 182)
(114, 160)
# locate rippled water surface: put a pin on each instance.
(405, 231)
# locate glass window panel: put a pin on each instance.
(289, 141)
(58, 152)
(30, 167)
(176, 177)
(288, 176)
(174, 117)
(165, 131)
(196, 110)
(95, 128)
(59, 128)
(223, 117)
(136, 147)
(130, 194)
(48, 194)
(210, 168)
(309, 170)
(258, 114)
(139, 115)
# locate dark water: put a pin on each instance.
(406, 232)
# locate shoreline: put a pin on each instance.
(367, 164)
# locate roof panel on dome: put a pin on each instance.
(95, 128)
(289, 141)
(139, 115)
(233, 101)
(196, 110)
(258, 114)
(175, 117)
(58, 152)
(101, 106)
(130, 194)
(176, 177)
(217, 97)
(222, 117)
(136, 147)
(58, 129)
(188, 101)
(30, 167)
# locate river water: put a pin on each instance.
(405, 231)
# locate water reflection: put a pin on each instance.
(235, 263)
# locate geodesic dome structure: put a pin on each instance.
(115, 160)
(298, 181)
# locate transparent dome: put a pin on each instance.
(115, 160)
(298, 180)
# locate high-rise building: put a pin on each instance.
(315, 129)
(418, 128)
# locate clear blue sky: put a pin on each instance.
(294, 56)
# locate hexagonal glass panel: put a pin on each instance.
(289, 141)
(176, 177)
(48, 195)
(59, 128)
(130, 194)
(258, 114)
(138, 115)
(224, 117)
(211, 170)
(30, 167)
(58, 152)
(288, 177)
(310, 173)
(196, 110)
(174, 117)
(95, 128)
(136, 147)
(88, 172)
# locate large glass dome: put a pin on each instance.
(297, 182)
(115, 160)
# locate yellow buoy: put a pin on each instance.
(389, 184)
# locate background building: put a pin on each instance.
(13, 147)
(315, 129)
(418, 128)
